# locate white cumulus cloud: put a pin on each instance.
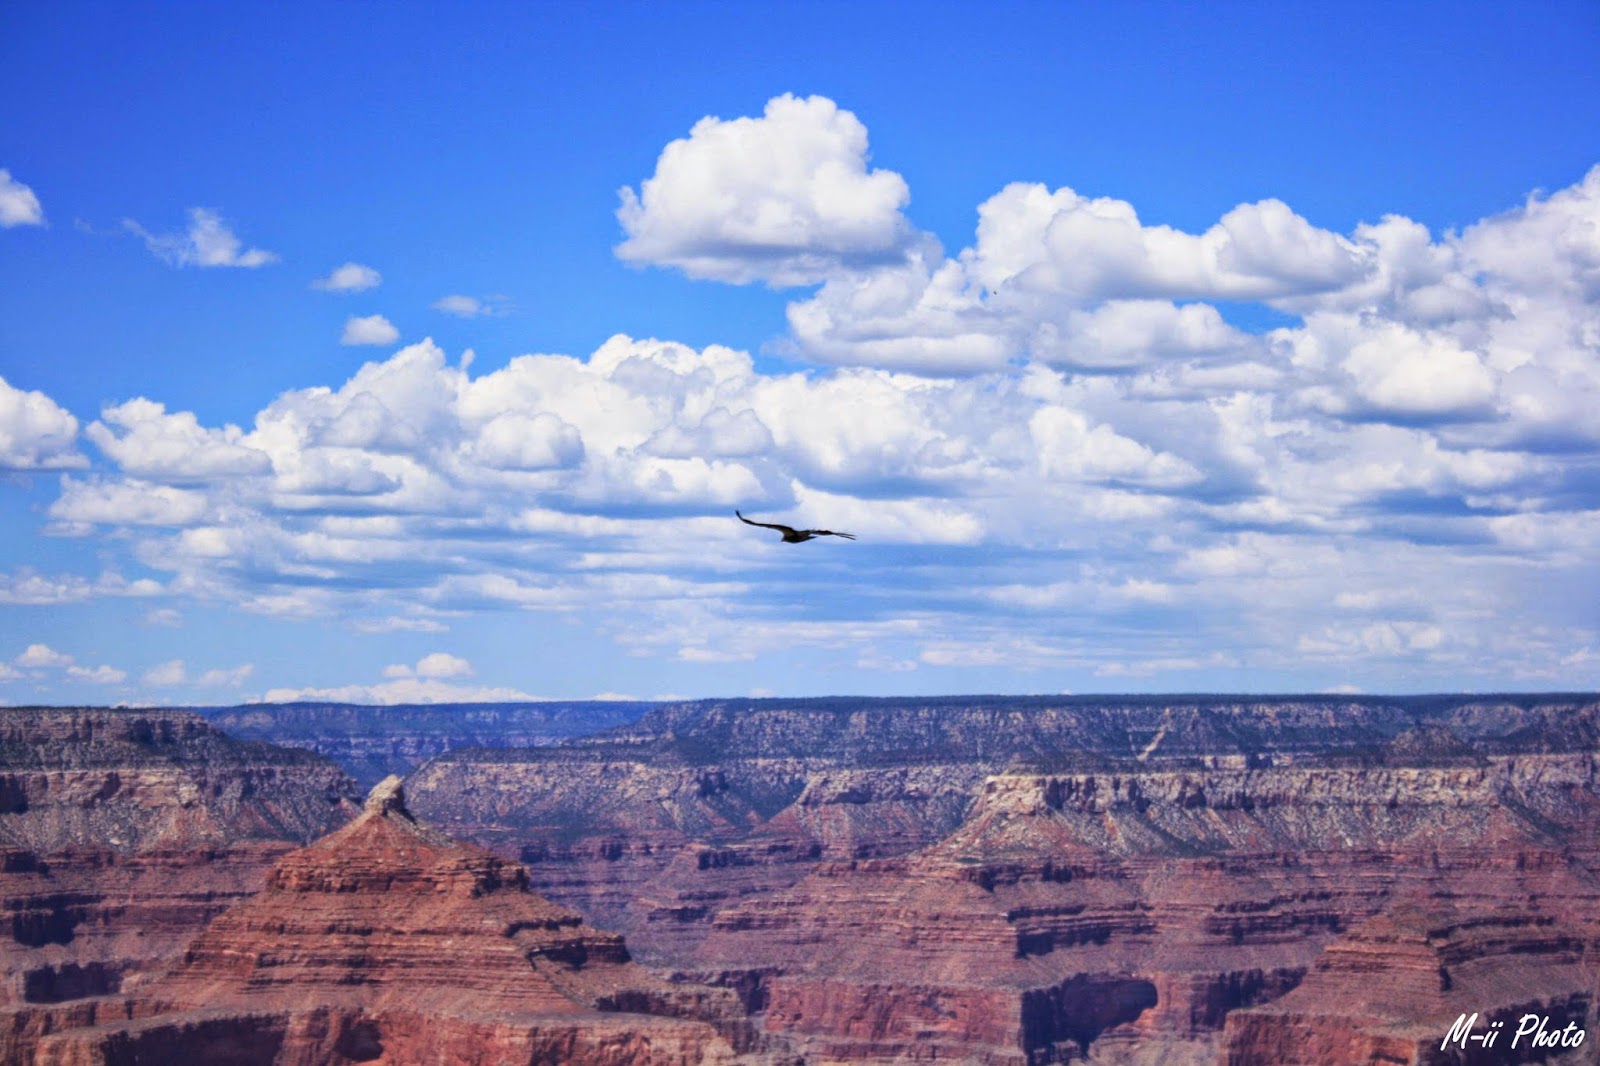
(18, 204)
(786, 198)
(145, 441)
(1071, 281)
(439, 665)
(1124, 334)
(351, 277)
(36, 433)
(515, 441)
(43, 656)
(1069, 447)
(1037, 243)
(128, 502)
(369, 329)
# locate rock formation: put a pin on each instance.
(1393, 989)
(135, 781)
(1033, 881)
(388, 942)
(123, 832)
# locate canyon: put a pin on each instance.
(1028, 881)
(997, 880)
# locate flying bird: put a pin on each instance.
(795, 536)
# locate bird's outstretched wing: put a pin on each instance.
(830, 533)
(766, 525)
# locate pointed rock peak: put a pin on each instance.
(388, 797)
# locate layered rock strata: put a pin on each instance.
(123, 832)
(388, 942)
(1398, 985)
(1126, 913)
(132, 781)
(1034, 881)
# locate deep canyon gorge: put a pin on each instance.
(998, 880)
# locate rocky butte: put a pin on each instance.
(389, 942)
(1029, 881)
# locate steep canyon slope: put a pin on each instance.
(1043, 880)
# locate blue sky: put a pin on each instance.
(1144, 348)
